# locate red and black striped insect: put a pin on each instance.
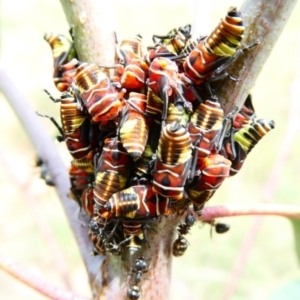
(173, 161)
(80, 181)
(205, 125)
(133, 125)
(98, 94)
(137, 202)
(216, 52)
(170, 39)
(245, 115)
(170, 45)
(213, 170)
(75, 130)
(244, 140)
(63, 51)
(164, 87)
(132, 70)
(112, 172)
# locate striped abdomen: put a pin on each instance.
(80, 180)
(132, 70)
(215, 49)
(137, 202)
(113, 169)
(173, 161)
(98, 93)
(63, 51)
(71, 116)
(204, 126)
(163, 81)
(249, 135)
(169, 45)
(134, 129)
(213, 171)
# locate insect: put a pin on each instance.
(75, 128)
(98, 94)
(245, 139)
(170, 45)
(87, 200)
(139, 268)
(219, 227)
(132, 70)
(107, 236)
(112, 171)
(133, 125)
(63, 51)
(171, 37)
(213, 170)
(245, 115)
(216, 52)
(80, 181)
(164, 87)
(133, 293)
(173, 161)
(205, 124)
(44, 172)
(137, 202)
(180, 244)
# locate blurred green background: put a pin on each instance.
(203, 272)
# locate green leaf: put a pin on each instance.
(289, 291)
(296, 227)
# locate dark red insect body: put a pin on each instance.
(213, 171)
(205, 124)
(112, 171)
(137, 202)
(217, 50)
(173, 161)
(98, 94)
(133, 125)
(63, 51)
(132, 70)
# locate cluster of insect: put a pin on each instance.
(151, 140)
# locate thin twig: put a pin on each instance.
(46, 149)
(269, 190)
(34, 281)
(253, 209)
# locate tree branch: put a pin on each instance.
(253, 209)
(46, 149)
(33, 280)
(264, 21)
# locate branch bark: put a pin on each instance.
(264, 21)
(253, 209)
